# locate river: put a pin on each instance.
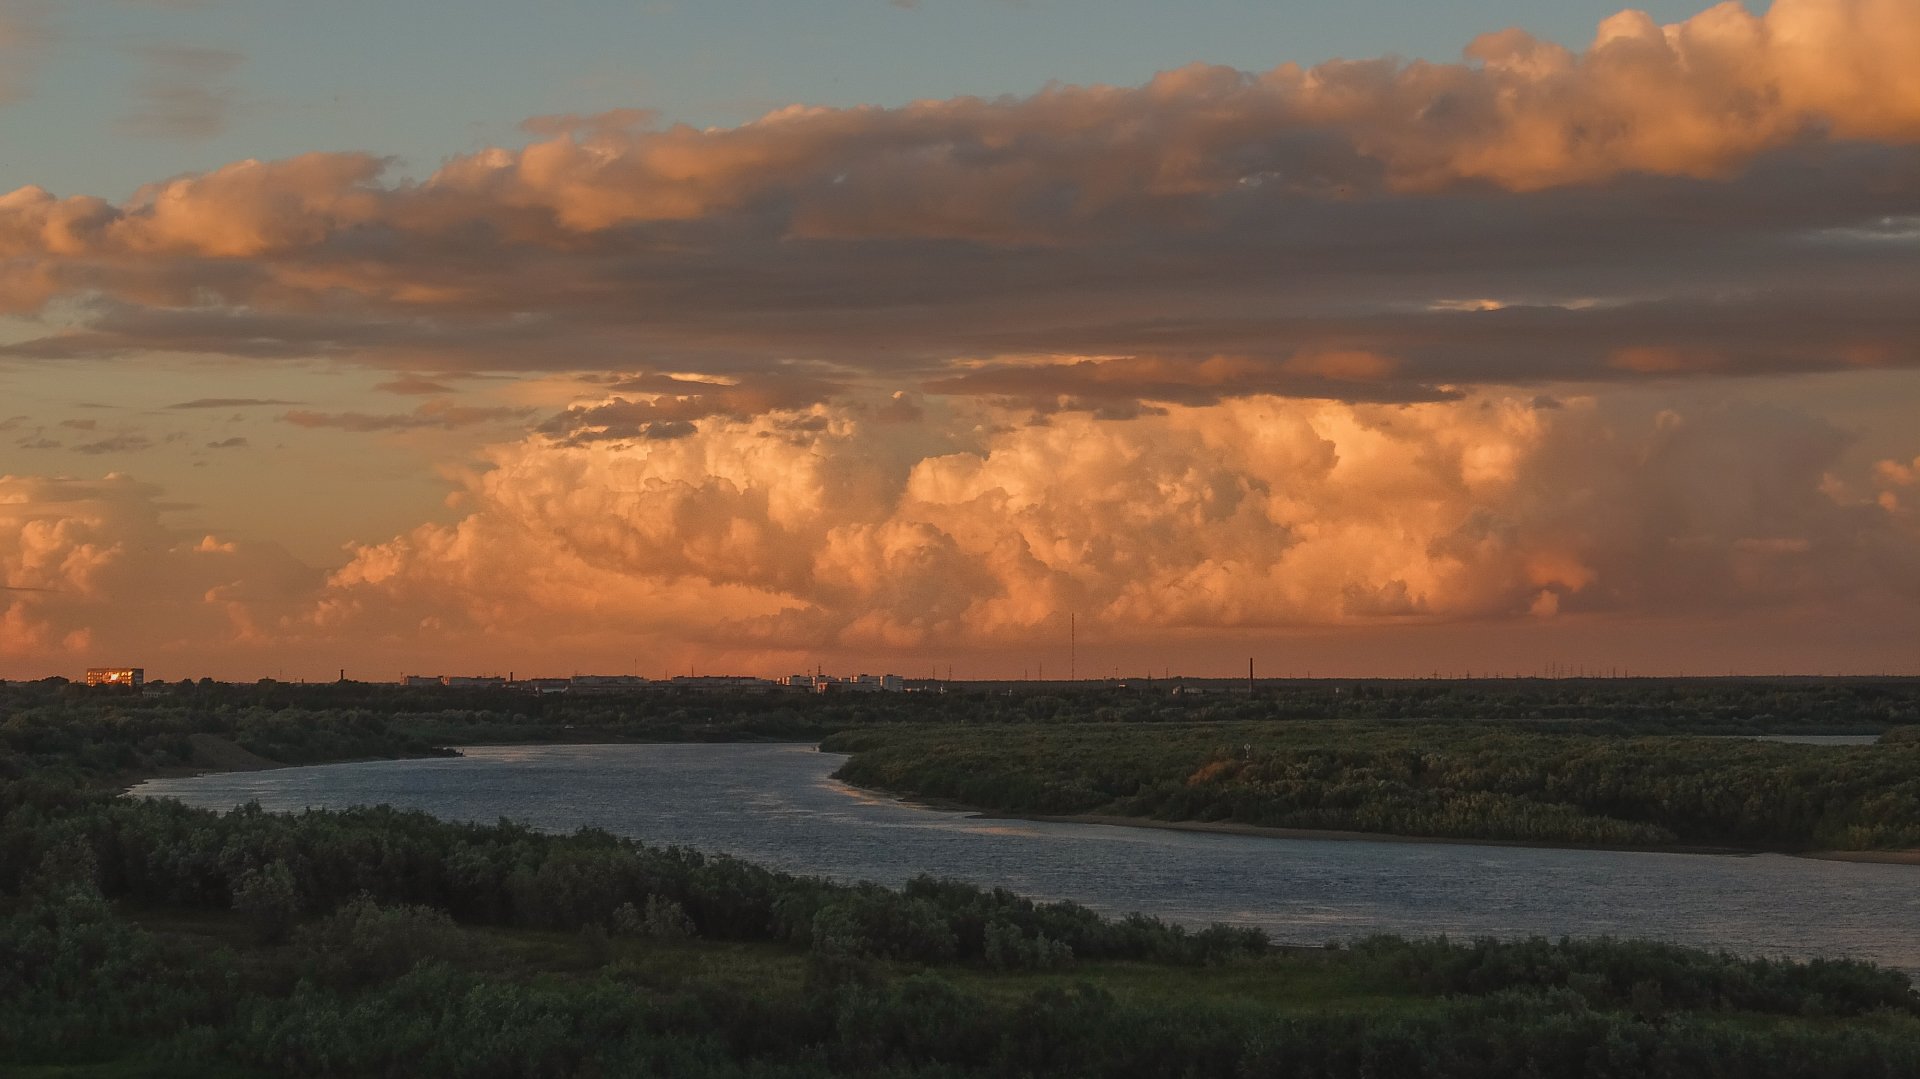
(778, 805)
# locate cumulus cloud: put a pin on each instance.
(1225, 353)
(94, 573)
(665, 406)
(1252, 514)
(837, 529)
(1720, 196)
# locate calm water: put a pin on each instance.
(775, 804)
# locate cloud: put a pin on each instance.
(1225, 354)
(1722, 196)
(442, 414)
(835, 529)
(234, 443)
(91, 570)
(230, 402)
(182, 92)
(665, 406)
(1110, 384)
(1252, 514)
(412, 385)
(120, 443)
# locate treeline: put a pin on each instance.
(107, 737)
(368, 952)
(281, 868)
(1606, 706)
(1472, 781)
(112, 732)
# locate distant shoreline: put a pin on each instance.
(1886, 857)
(214, 755)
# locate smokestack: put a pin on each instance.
(1249, 676)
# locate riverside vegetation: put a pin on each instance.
(145, 938)
(1454, 780)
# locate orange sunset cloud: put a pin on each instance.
(1188, 360)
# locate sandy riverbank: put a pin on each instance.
(1336, 835)
(1886, 857)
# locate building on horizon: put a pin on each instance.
(457, 681)
(604, 683)
(117, 676)
(859, 683)
(713, 683)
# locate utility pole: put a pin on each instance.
(1073, 646)
(1249, 676)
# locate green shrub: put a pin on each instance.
(364, 942)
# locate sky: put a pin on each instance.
(1378, 338)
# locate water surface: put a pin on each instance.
(777, 805)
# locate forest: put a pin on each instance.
(1485, 781)
(142, 937)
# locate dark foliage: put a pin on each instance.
(359, 954)
(1465, 780)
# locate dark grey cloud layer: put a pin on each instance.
(1734, 195)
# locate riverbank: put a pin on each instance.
(1238, 828)
(1871, 857)
(214, 755)
(1883, 857)
(1336, 835)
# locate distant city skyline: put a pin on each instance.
(1375, 340)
